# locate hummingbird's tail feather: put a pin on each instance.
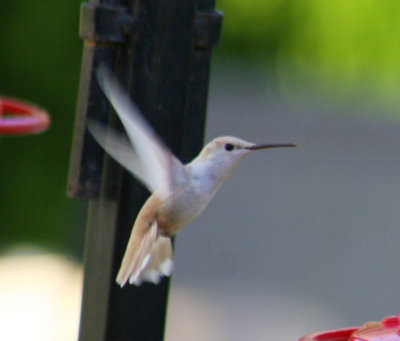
(137, 254)
(148, 258)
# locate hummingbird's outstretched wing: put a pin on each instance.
(119, 147)
(153, 162)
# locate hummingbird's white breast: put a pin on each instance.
(185, 204)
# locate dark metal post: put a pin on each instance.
(161, 50)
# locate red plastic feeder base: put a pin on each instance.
(386, 330)
(20, 118)
(331, 335)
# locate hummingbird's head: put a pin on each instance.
(226, 152)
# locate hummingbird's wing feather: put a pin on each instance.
(137, 254)
(148, 257)
(163, 171)
(118, 147)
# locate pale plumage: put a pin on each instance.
(180, 193)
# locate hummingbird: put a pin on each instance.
(180, 192)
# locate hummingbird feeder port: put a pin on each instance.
(20, 118)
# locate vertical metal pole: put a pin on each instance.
(165, 66)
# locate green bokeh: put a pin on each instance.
(344, 48)
(40, 62)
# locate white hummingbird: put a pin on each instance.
(179, 192)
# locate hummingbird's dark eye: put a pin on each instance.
(229, 147)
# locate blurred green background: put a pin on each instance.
(40, 62)
(332, 49)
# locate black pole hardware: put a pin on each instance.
(160, 50)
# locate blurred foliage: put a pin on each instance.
(347, 48)
(40, 62)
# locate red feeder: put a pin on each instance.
(386, 330)
(18, 118)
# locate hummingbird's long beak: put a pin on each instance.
(274, 145)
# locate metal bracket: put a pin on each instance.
(112, 24)
(102, 23)
(208, 28)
